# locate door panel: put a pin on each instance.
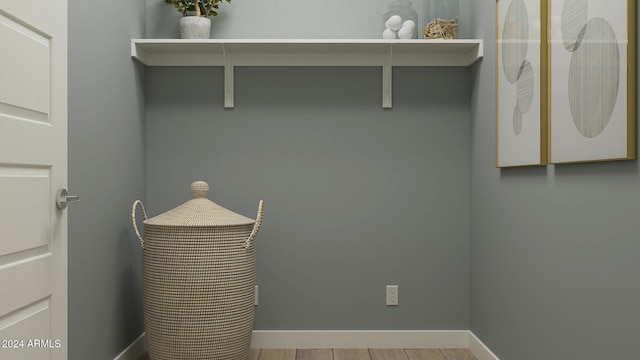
(30, 323)
(33, 231)
(33, 57)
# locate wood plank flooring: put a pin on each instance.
(387, 354)
(357, 354)
(426, 354)
(351, 354)
(362, 354)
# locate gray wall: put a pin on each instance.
(292, 19)
(356, 196)
(106, 168)
(554, 250)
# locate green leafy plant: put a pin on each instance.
(199, 7)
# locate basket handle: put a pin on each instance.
(133, 219)
(257, 224)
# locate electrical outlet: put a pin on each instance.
(392, 295)
(255, 297)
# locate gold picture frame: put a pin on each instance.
(521, 83)
(592, 80)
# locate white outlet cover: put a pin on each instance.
(392, 295)
(255, 297)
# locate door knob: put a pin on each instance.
(63, 199)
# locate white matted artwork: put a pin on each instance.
(521, 125)
(592, 80)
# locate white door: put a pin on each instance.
(33, 165)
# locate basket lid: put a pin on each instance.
(199, 212)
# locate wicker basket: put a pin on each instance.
(198, 279)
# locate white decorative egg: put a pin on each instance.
(394, 23)
(406, 32)
(410, 23)
(389, 34)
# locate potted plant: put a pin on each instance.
(195, 22)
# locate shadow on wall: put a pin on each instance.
(130, 294)
(606, 169)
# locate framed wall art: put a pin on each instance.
(592, 80)
(521, 83)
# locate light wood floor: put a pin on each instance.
(361, 354)
(358, 354)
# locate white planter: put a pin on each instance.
(195, 27)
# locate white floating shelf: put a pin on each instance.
(306, 52)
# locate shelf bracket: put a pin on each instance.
(228, 79)
(387, 79)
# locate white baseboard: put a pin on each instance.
(479, 349)
(363, 339)
(135, 350)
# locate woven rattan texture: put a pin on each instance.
(198, 285)
(199, 212)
